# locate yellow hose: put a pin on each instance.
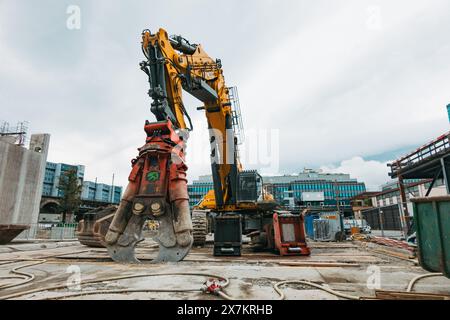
(312, 284)
(27, 277)
(14, 295)
(118, 291)
(414, 280)
(224, 295)
(219, 293)
(277, 285)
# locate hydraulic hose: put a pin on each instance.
(414, 280)
(25, 276)
(224, 295)
(119, 291)
(223, 285)
(282, 296)
(312, 284)
(28, 277)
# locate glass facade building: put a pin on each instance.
(197, 190)
(90, 190)
(101, 192)
(332, 188)
(53, 174)
(333, 191)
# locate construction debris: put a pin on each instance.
(401, 295)
(9, 231)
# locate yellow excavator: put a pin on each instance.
(238, 203)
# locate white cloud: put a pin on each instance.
(336, 88)
(372, 173)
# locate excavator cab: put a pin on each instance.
(250, 186)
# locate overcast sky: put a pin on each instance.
(341, 85)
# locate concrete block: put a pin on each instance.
(21, 179)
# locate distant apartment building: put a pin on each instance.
(308, 188)
(53, 174)
(101, 192)
(390, 192)
(92, 191)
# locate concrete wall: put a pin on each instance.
(21, 178)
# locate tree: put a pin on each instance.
(71, 193)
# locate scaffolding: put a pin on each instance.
(19, 132)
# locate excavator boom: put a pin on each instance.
(173, 65)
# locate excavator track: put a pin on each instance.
(200, 227)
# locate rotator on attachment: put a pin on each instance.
(157, 189)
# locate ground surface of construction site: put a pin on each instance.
(344, 270)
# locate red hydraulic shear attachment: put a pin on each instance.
(157, 189)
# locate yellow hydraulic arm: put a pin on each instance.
(174, 64)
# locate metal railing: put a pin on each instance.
(49, 231)
(238, 126)
(425, 152)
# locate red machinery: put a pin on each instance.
(157, 189)
(289, 234)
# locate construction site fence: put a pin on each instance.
(50, 231)
(388, 218)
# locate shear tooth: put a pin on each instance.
(172, 252)
(124, 249)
